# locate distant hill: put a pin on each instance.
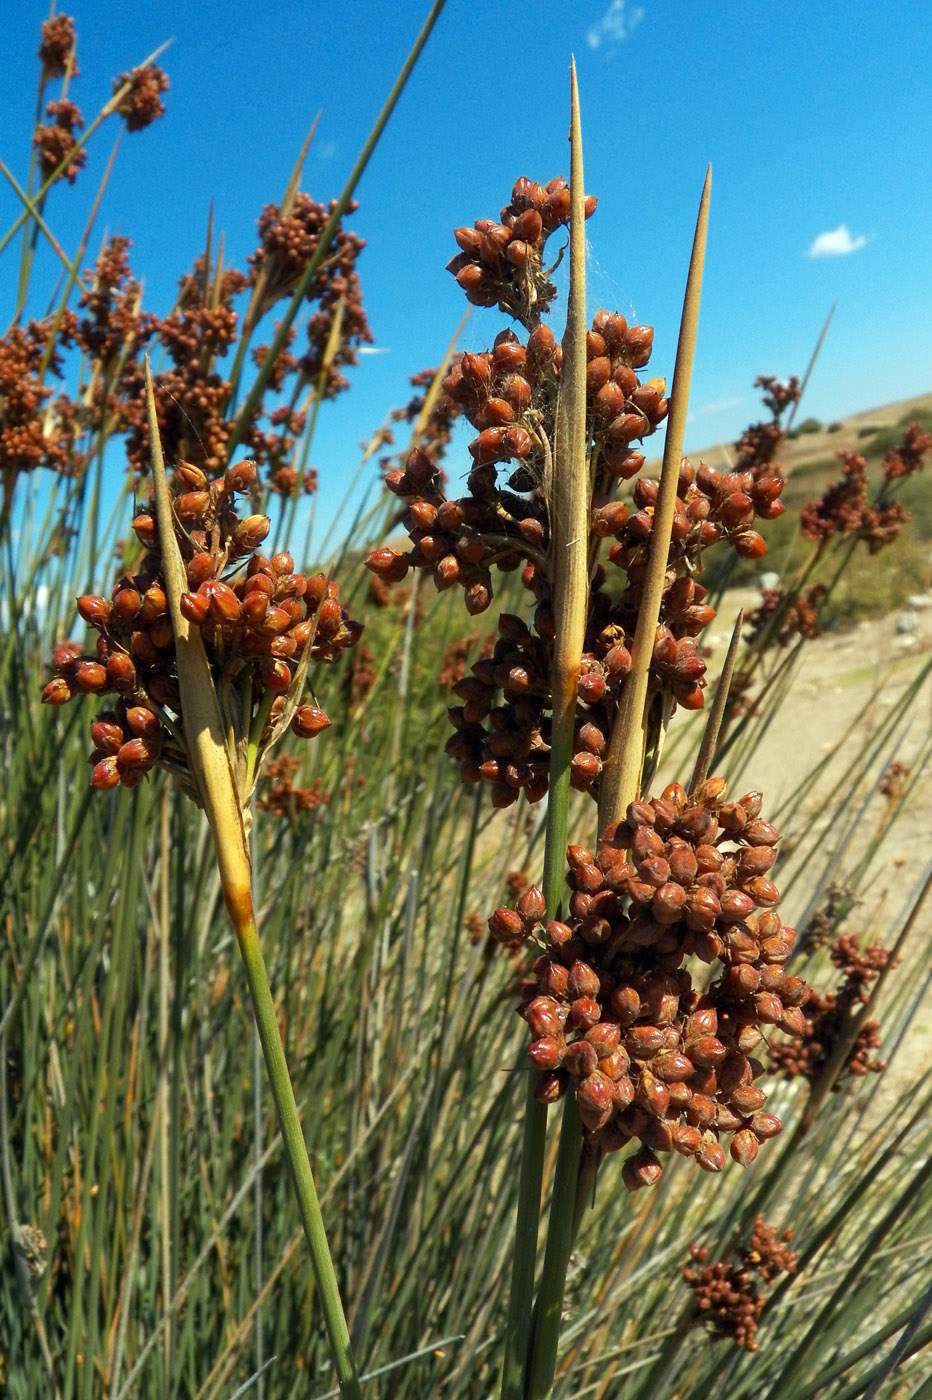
(847, 432)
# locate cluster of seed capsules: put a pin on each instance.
(256, 616)
(829, 1016)
(501, 263)
(726, 1293)
(613, 1011)
(509, 395)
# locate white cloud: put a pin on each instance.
(704, 410)
(837, 243)
(618, 23)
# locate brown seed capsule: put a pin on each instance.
(241, 476)
(750, 545)
(743, 1147)
(794, 1020)
(707, 1052)
(668, 903)
(141, 722)
(583, 981)
(308, 720)
(544, 1014)
(276, 676)
(194, 608)
(643, 1169)
(551, 1086)
(95, 610)
(126, 605)
(652, 1095)
(250, 533)
(90, 676)
(57, 692)
(192, 506)
(105, 774)
(769, 1008)
(594, 1098)
(546, 1053)
(146, 529)
(107, 734)
(583, 1013)
(580, 1058)
(747, 1099)
(644, 1042)
(604, 1038)
(626, 1004)
(138, 754)
(711, 1155)
(765, 1125)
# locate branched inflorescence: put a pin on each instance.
(726, 1294)
(828, 1017)
(508, 394)
(217, 310)
(615, 1015)
(845, 508)
(259, 621)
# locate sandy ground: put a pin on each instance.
(847, 684)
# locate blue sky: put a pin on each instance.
(815, 118)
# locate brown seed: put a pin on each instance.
(765, 1125)
(748, 1099)
(546, 1053)
(580, 1058)
(90, 676)
(126, 605)
(643, 1169)
(57, 692)
(143, 723)
(583, 1013)
(743, 1147)
(711, 1155)
(105, 774)
(138, 754)
(551, 1086)
(308, 720)
(583, 980)
(644, 1042)
(95, 610)
(707, 1052)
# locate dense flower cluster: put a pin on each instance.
(195, 401)
(280, 794)
(288, 241)
(615, 1016)
(726, 1294)
(758, 446)
(35, 431)
(508, 394)
(142, 104)
(56, 142)
(828, 1017)
(56, 51)
(257, 617)
(438, 428)
(844, 508)
(778, 617)
(502, 263)
(907, 458)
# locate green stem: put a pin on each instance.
(297, 1157)
(560, 1235)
